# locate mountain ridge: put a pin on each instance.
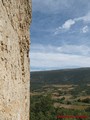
(65, 76)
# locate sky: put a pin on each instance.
(60, 34)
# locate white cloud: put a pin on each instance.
(85, 18)
(55, 6)
(66, 49)
(67, 56)
(85, 29)
(68, 24)
(51, 6)
(75, 50)
(57, 60)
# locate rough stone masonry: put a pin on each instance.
(15, 18)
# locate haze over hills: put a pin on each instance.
(79, 76)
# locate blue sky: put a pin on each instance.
(60, 34)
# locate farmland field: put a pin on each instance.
(60, 97)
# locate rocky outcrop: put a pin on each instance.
(15, 18)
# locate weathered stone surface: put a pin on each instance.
(15, 18)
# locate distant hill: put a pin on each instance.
(79, 76)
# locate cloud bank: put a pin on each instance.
(51, 57)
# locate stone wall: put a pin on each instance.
(15, 18)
